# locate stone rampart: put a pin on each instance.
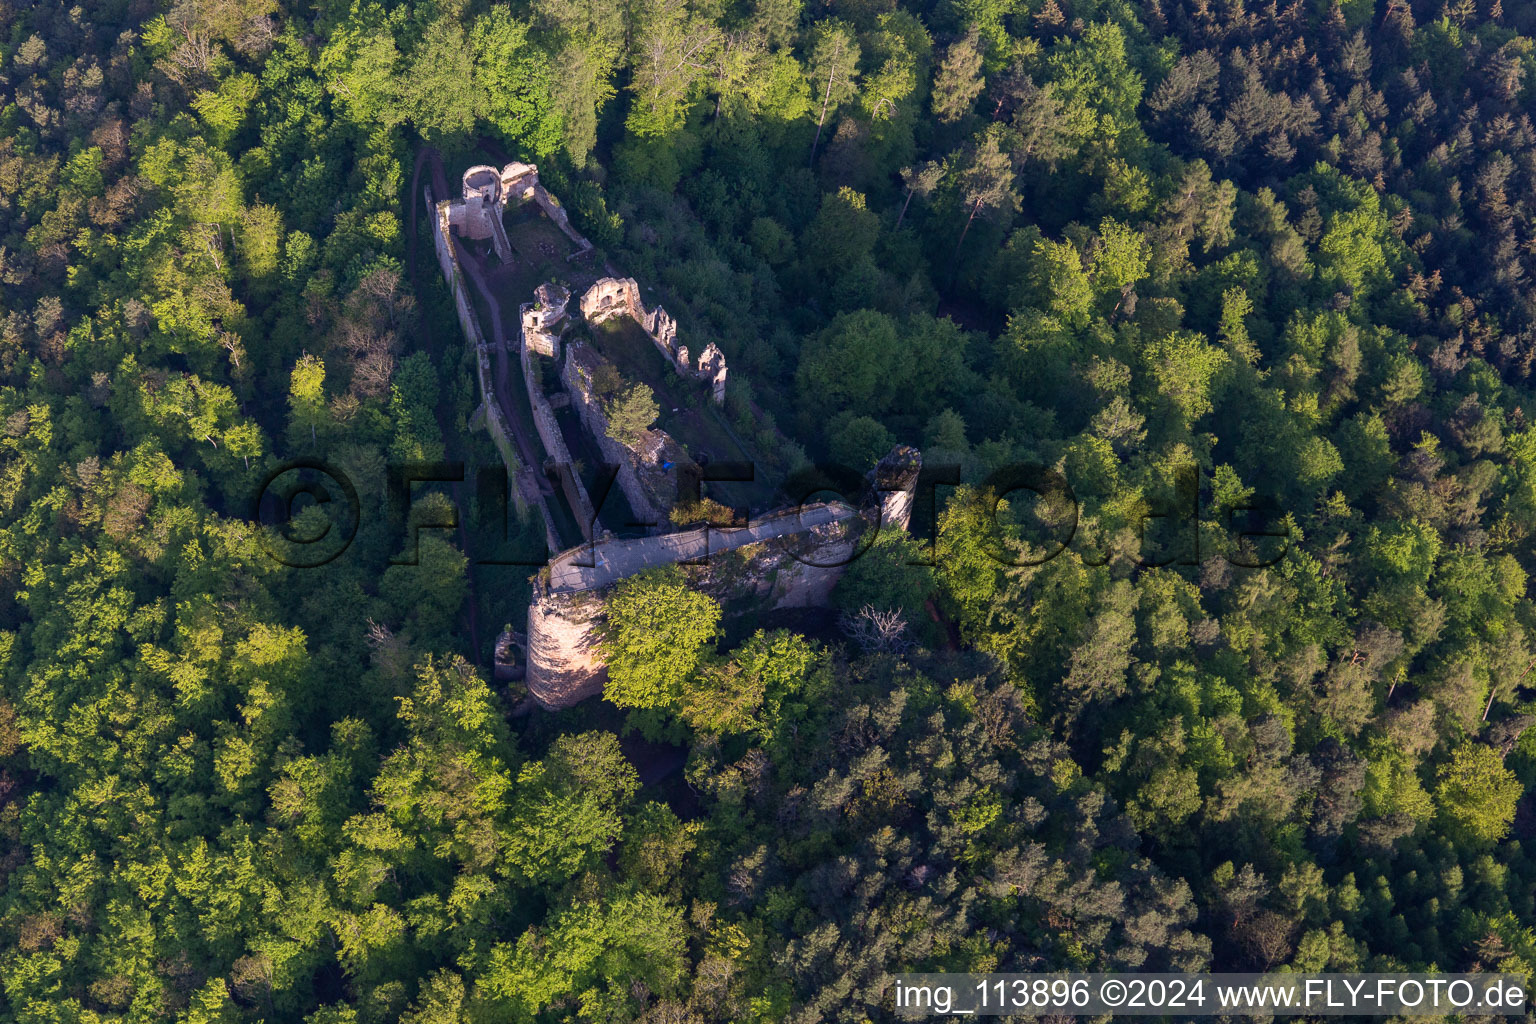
(797, 567)
(620, 296)
(549, 432)
(448, 259)
(520, 182)
(790, 558)
(489, 414)
(644, 501)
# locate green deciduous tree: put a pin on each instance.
(1477, 794)
(598, 952)
(307, 411)
(1059, 281)
(863, 362)
(566, 815)
(748, 692)
(832, 71)
(441, 90)
(359, 66)
(672, 47)
(1096, 84)
(890, 574)
(654, 638)
(514, 78)
(586, 41)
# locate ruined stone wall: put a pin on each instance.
(806, 581)
(544, 319)
(610, 297)
(712, 370)
(478, 215)
(589, 410)
(620, 296)
(448, 260)
(520, 183)
(549, 432)
(489, 414)
(798, 567)
(796, 570)
(539, 342)
(658, 323)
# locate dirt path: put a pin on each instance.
(528, 448)
(951, 631)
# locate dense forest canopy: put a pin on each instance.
(1284, 250)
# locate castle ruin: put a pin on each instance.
(543, 320)
(620, 296)
(789, 557)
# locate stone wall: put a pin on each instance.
(448, 260)
(610, 297)
(520, 182)
(489, 414)
(549, 432)
(544, 319)
(712, 369)
(487, 192)
(478, 215)
(576, 376)
(795, 568)
(658, 323)
(564, 664)
(620, 296)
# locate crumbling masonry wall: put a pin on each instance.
(490, 409)
(489, 414)
(543, 319)
(647, 506)
(520, 184)
(779, 559)
(549, 433)
(478, 215)
(487, 194)
(565, 664)
(620, 296)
